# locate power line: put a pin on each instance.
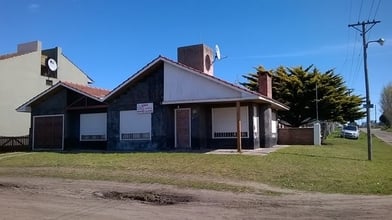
(347, 45)
(375, 13)
(378, 6)
(352, 72)
(371, 9)
(357, 68)
(360, 11)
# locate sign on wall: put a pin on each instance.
(145, 108)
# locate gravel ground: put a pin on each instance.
(51, 198)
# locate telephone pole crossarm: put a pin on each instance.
(363, 24)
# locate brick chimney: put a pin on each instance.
(29, 47)
(198, 56)
(265, 83)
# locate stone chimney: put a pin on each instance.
(198, 56)
(29, 47)
(265, 83)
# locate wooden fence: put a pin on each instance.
(295, 136)
(9, 144)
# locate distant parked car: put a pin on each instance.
(350, 131)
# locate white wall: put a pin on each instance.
(20, 81)
(67, 71)
(180, 85)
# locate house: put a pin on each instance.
(165, 105)
(27, 72)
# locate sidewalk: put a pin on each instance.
(383, 135)
(257, 152)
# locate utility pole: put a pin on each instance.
(364, 29)
(317, 116)
(375, 116)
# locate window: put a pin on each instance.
(255, 122)
(49, 82)
(224, 122)
(93, 127)
(135, 126)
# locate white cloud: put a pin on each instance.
(33, 7)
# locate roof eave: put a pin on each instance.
(26, 107)
(204, 101)
(23, 109)
(99, 99)
(274, 105)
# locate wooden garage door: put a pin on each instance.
(48, 132)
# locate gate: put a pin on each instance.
(10, 144)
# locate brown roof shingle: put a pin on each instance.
(89, 90)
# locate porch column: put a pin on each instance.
(238, 108)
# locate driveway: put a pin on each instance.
(383, 135)
(258, 151)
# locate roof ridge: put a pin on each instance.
(15, 54)
(88, 90)
(88, 86)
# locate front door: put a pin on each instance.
(183, 128)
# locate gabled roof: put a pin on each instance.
(102, 95)
(256, 96)
(89, 91)
(93, 92)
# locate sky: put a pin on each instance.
(111, 40)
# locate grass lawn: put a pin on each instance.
(340, 166)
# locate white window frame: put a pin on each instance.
(93, 126)
(131, 125)
(229, 116)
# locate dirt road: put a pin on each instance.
(49, 198)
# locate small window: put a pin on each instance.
(135, 125)
(49, 82)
